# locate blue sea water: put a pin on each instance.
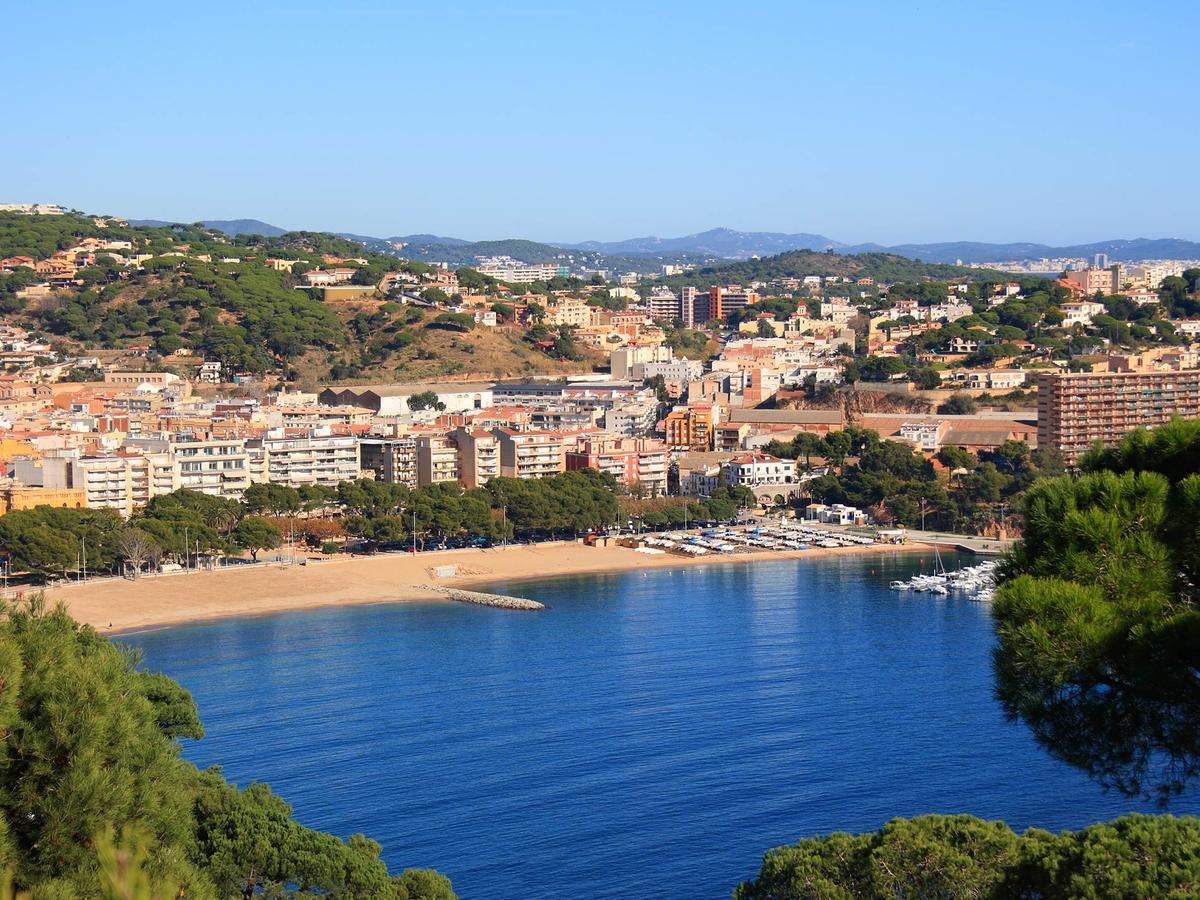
(650, 735)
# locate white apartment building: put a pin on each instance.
(128, 479)
(926, 436)
(515, 272)
(837, 312)
(986, 379)
(317, 459)
(663, 304)
(675, 370)
(753, 469)
(632, 418)
(1080, 312)
(623, 360)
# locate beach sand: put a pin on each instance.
(114, 604)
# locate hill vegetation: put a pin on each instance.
(883, 267)
(203, 291)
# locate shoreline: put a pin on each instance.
(115, 606)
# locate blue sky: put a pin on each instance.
(1058, 122)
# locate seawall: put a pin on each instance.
(482, 599)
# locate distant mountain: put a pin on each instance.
(974, 252)
(231, 227)
(721, 242)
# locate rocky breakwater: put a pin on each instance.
(481, 599)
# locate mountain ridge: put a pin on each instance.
(727, 244)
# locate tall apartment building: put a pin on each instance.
(478, 456)
(694, 307)
(437, 459)
(664, 305)
(1077, 409)
(530, 454)
(689, 428)
(723, 300)
(631, 461)
(392, 459)
(316, 459)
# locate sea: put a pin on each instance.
(650, 734)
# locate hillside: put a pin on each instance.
(462, 253)
(883, 267)
(203, 291)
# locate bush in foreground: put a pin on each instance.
(962, 856)
(90, 773)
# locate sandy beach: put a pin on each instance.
(114, 605)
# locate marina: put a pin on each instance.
(977, 582)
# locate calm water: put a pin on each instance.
(649, 736)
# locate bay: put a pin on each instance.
(650, 735)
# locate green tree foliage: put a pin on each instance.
(959, 405)
(271, 499)
(425, 400)
(453, 322)
(254, 534)
(1099, 631)
(962, 856)
(65, 791)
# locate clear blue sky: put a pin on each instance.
(1059, 122)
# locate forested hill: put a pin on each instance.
(883, 267)
(192, 290)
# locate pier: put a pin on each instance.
(481, 599)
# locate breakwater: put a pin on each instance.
(482, 599)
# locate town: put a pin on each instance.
(673, 387)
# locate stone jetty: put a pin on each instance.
(481, 599)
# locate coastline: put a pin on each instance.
(115, 605)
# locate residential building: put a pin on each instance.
(1079, 409)
(314, 458)
(924, 436)
(530, 454)
(393, 460)
(755, 469)
(689, 428)
(664, 305)
(478, 456)
(694, 307)
(632, 461)
(1088, 281)
(1080, 312)
(569, 311)
(724, 300)
(623, 360)
(437, 459)
(217, 467)
(633, 417)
